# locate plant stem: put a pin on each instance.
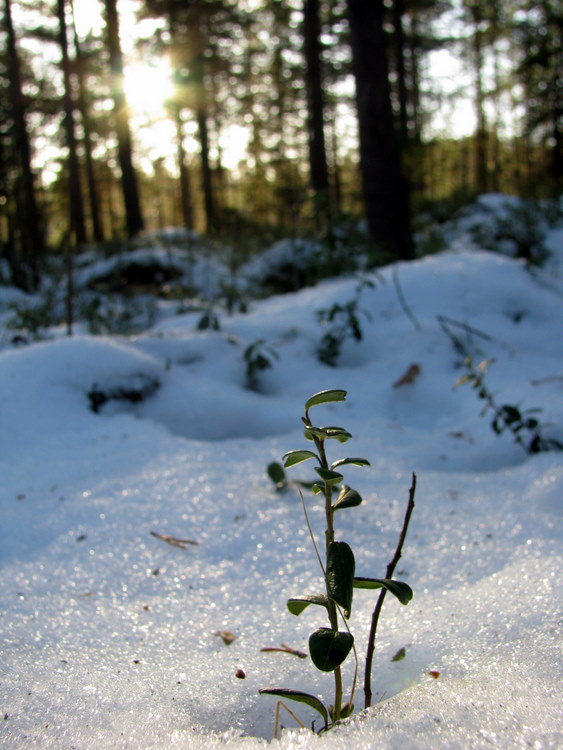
(403, 302)
(381, 598)
(332, 611)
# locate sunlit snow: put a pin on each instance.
(108, 634)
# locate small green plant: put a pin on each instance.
(462, 335)
(258, 357)
(281, 481)
(430, 241)
(519, 230)
(209, 321)
(138, 390)
(523, 424)
(30, 320)
(116, 314)
(342, 322)
(330, 646)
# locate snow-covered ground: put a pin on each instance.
(108, 633)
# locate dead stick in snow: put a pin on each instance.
(174, 541)
(379, 604)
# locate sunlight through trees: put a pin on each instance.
(267, 116)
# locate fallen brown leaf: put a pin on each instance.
(409, 376)
(226, 636)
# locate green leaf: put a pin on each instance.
(401, 590)
(340, 567)
(297, 604)
(337, 433)
(510, 414)
(317, 488)
(325, 397)
(291, 458)
(346, 710)
(276, 474)
(347, 498)
(330, 477)
(329, 648)
(300, 697)
(354, 461)
(305, 484)
(327, 433)
(400, 654)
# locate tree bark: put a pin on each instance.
(207, 182)
(93, 196)
(480, 139)
(398, 10)
(315, 110)
(76, 206)
(29, 227)
(197, 80)
(185, 185)
(133, 215)
(384, 187)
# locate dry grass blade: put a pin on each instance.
(174, 541)
(285, 649)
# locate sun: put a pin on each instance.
(148, 86)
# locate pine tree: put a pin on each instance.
(28, 242)
(314, 81)
(77, 220)
(384, 188)
(129, 183)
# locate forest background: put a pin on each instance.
(257, 119)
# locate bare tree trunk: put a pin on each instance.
(185, 186)
(315, 120)
(414, 54)
(76, 206)
(398, 10)
(93, 197)
(29, 228)
(197, 79)
(384, 188)
(481, 181)
(186, 197)
(133, 216)
(207, 182)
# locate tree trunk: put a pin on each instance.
(29, 227)
(398, 10)
(481, 182)
(176, 107)
(76, 206)
(384, 188)
(93, 197)
(315, 111)
(185, 186)
(197, 81)
(414, 51)
(207, 181)
(133, 216)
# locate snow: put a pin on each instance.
(107, 633)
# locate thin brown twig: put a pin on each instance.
(174, 541)
(284, 649)
(381, 598)
(406, 309)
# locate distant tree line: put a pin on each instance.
(290, 72)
